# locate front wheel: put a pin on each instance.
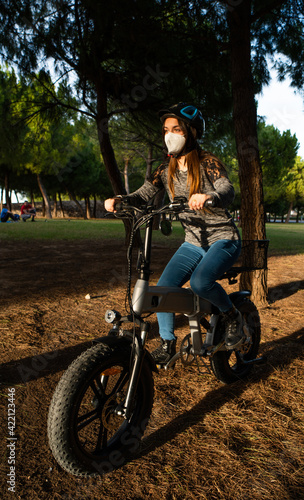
(87, 433)
(229, 366)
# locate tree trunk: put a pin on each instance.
(87, 207)
(245, 124)
(105, 142)
(61, 205)
(7, 191)
(55, 205)
(289, 212)
(107, 151)
(126, 175)
(45, 197)
(73, 198)
(149, 162)
(94, 206)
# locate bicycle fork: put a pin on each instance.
(136, 358)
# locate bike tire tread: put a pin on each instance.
(219, 362)
(64, 397)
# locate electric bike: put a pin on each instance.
(102, 403)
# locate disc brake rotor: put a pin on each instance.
(108, 413)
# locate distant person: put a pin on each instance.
(6, 214)
(27, 212)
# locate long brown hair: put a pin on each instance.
(194, 177)
(193, 160)
(194, 157)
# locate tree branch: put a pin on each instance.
(266, 9)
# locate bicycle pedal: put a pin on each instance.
(165, 367)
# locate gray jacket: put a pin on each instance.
(204, 227)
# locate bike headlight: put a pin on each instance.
(112, 316)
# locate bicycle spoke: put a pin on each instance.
(86, 419)
(97, 388)
(120, 382)
(102, 438)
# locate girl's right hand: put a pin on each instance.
(109, 204)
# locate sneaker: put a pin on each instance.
(233, 328)
(164, 352)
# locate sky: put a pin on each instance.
(282, 107)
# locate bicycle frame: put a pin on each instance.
(153, 299)
(148, 299)
(105, 398)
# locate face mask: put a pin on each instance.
(174, 142)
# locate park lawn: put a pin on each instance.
(285, 239)
(63, 229)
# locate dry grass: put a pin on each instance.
(205, 440)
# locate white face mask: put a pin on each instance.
(174, 142)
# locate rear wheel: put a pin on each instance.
(87, 433)
(229, 366)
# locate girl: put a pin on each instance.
(212, 241)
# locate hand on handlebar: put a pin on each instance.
(198, 201)
(109, 204)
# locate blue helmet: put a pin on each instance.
(188, 113)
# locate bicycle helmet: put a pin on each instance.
(186, 112)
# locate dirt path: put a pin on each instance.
(204, 439)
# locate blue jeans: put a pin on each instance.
(203, 266)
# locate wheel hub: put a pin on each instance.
(108, 412)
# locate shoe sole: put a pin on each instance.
(236, 345)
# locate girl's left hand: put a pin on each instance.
(198, 200)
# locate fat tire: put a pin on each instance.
(227, 365)
(69, 448)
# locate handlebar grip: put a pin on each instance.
(210, 203)
(120, 203)
(118, 207)
(181, 201)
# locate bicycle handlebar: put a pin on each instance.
(179, 204)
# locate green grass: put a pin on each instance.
(284, 238)
(61, 229)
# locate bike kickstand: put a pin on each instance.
(207, 369)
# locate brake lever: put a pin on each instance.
(124, 207)
(181, 203)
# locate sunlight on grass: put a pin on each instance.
(60, 229)
(284, 238)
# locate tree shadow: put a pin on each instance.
(50, 362)
(47, 363)
(280, 353)
(216, 398)
(284, 290)
(41, 365)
